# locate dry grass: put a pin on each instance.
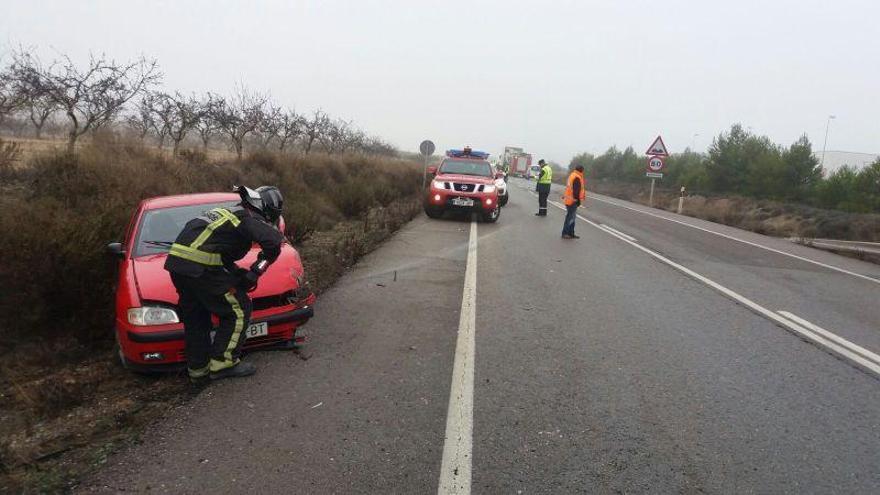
(65, 402)
(762, 216)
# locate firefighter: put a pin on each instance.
(575, 194)
(543, 187)
(203, 270)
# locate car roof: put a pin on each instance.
(188, 200)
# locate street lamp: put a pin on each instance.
(827, 126)
(694, 141)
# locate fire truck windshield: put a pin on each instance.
(466, 167)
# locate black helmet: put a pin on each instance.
(266, 200)
(541, 161)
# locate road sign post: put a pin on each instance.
(656, 154)
(426, 149)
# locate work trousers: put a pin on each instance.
(543, 192)
(570, 219)
(200, 297)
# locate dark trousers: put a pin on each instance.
(543, 192)
(570, 219)
(200, 297)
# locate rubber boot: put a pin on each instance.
(239, 370)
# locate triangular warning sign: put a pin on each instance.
(657, 148)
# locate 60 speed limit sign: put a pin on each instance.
(655, 164)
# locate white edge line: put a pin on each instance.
(831, 336)
(755, 307)
(750, 243)
(455, 469)
(615, 231)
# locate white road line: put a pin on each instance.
(615, 231)
(832, 336)
(750, 243)
(455, 471)
(757, 308)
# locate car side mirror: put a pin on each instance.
(115, 249)
(432, 170)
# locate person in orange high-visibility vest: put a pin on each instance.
(575, 194)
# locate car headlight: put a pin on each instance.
(489, 188)
(438, 184)
(151, 315)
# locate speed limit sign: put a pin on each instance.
(655, 163)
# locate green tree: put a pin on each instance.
(801, 170)
(584, 159)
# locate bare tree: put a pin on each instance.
(207, 125)
(10, 97)
(292, 126)
(335, 137)
(270, 124)
(142, 120)
(91, 97)
(177, 115)
(314, 128)
(239, 116)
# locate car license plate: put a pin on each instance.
(257, 330)
(463, 202)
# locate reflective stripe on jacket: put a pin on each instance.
(192, 251)
(219, 238)
(569, 193)
(546, 176)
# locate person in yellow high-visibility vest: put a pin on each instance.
(575, 194)
(545, 177)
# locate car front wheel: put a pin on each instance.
(492, 216)
(433, 212)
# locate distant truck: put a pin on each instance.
(517, 162)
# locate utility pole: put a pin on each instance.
(827, 126)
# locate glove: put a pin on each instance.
(577, 203)
(249, 280)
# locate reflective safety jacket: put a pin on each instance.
(546, 175)
(219, 238)
(575, 189)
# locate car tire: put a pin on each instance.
(492, 216)
(433, 212)
(118, 348)
(503, 200)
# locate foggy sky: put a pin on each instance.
(554, 77)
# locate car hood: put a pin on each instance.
(154, 283)
(470, 179)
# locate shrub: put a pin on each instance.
(64, 208)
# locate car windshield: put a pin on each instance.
(466, 167)
(160, 227)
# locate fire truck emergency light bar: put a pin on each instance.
(467, 153)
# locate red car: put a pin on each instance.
(148, 331)
(465, 181)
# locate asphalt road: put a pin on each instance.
(499, 358)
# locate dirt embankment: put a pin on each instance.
(762, 216)
(65, 402)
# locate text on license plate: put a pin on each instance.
(257, 330)
(462, 202)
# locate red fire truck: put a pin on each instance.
(516, 162)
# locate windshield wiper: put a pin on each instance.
(158, 244)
